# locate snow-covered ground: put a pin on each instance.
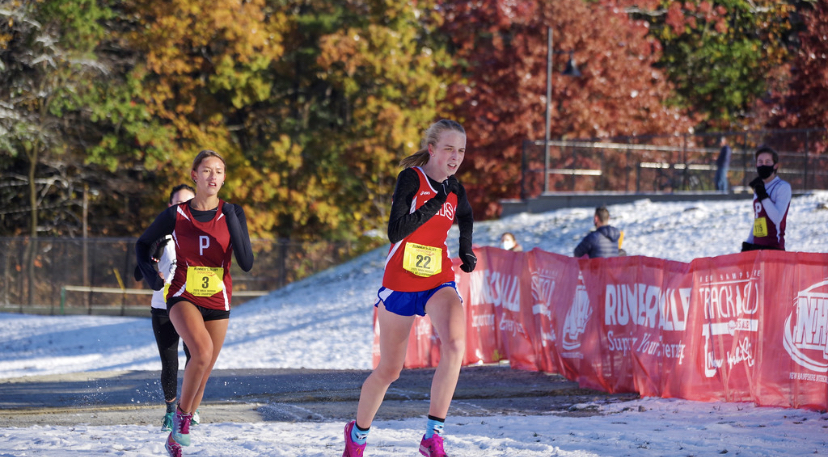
(325, 322)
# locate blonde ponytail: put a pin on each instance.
(418, 159)
(432, 134)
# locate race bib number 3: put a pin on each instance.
(760, 227)
(422, 260)
(205, 281)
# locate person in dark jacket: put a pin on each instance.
(722, 166)
(601, 242)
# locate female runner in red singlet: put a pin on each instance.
(419, 280)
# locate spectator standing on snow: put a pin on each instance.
(601, 242)
(722, 166)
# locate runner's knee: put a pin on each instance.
(454, 347)
(387, 374)
(201, 352)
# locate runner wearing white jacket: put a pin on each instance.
(166, 338)
(771, 200)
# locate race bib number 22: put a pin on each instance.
(422, 260)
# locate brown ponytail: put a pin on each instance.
(203, 155)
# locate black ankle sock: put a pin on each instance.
(360, 428)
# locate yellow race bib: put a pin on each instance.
(422, 260)
(760, 227)
(205, 281)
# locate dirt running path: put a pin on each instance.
(106, 398)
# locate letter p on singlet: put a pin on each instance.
(203, 243)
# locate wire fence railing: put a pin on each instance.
(95, 275)
(673, 163)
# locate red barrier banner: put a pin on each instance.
(792, 360)
(502, 287)
(482, 337)
(743, 327)
(723, 331)
(555, 335)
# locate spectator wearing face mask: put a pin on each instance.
(771, 200)
(509, 243)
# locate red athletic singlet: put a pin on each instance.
(203, 252)
(415, 247)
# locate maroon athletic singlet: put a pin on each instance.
(203, 253)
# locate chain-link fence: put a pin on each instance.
(670, 163)
(95, 275)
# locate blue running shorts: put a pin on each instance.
(409, 303)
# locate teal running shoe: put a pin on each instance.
(167, 425)
(181, 428)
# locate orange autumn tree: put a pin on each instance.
(205, 66)
(312, 103)
(364, 84)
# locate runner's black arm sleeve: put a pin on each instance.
(465, 219)
(402, 222)
(239, 237)
(163, 225)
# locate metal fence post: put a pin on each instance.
(638, 177)
(548, 108)
(523, 161)
(574, 166)
(744, 160)
(627, 170)
(283, 247)
(6, 276)
(54, 280)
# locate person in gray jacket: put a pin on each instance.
(601, 242)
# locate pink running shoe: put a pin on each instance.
(352, 449)
(432, 447)
(181, 427)
(173, 448)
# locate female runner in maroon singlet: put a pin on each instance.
(207, 232)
